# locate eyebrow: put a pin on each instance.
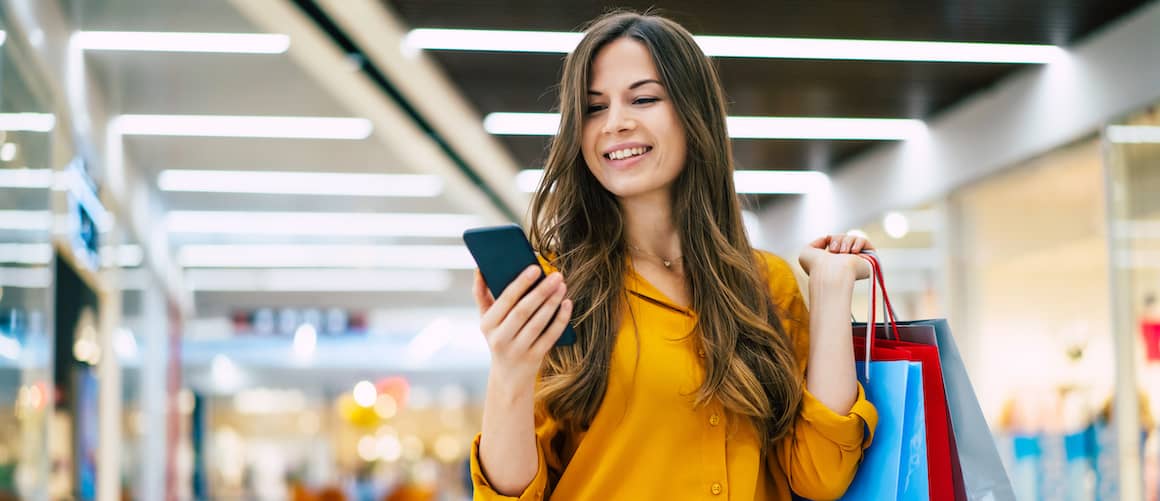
(634, 85)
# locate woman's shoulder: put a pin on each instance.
(780, 275)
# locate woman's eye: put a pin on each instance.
(593, 108)
(645, 100)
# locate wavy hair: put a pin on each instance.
(750, 364)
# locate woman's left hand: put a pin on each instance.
(835, 256)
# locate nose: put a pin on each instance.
(618, 119)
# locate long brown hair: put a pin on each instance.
(750, 364)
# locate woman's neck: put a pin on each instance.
(649, 226)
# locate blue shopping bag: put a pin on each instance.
(894, 466)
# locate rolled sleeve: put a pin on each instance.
(855, 430)
(823, 452)
(483, 489)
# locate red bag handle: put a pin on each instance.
(877, 282)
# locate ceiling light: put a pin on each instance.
(325, 256)
(749, 47)
(27, 254)
(1134, 134)
(546, 124)
(319, 223)
(243, 126)
(318, 280)
(28, 122)
(492, 40)
(896, 225)
(3, 37)
(757, 182)
(300, 183)
(824, 128)
(780, 182)
(23, 277)
(26, 178)
(240, 43)
(8, 152)
(26, 220)
(528, 180)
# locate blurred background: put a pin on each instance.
(230, 264)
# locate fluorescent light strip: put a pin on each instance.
(3, 37)
(151, 41)
(129, 256)
(28, 254)
(26, 178)
(1134, 134)
(244, 126)
(772, 182)
(325, 256)
(327, 280)
(300, 183)
(867, 129)
(749, 47)
(25, 278)
(125, 256)
(27, 122)
(319, 223)
(26, 220)
(755, 182)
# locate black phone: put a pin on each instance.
(502, 253)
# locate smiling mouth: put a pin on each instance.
(627, 153)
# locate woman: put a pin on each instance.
(698, 372)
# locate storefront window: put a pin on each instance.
(1033, 319)
(1133, 158)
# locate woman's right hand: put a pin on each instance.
(519, 328)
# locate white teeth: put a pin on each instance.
(625, 153)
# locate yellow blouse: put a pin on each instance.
(648, 440)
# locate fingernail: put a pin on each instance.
(531, 271)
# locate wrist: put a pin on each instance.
(510, 388)
(833, 276)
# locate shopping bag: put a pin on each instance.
(894, 467)
(913, 482)
(983, 475)
(917, 344)
(940, 474)
(979, 472)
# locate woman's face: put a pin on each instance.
(633, 139)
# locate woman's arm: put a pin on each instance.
(833, 267)
(520, 329)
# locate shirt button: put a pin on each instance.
(715, 489)
(701, 352)
(714, 420)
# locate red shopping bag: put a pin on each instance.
(889, 345)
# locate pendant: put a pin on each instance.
(668, 264)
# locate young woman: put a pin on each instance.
(698, 372)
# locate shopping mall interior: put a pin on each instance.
(231, 263)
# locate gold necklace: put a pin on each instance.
(667, 262)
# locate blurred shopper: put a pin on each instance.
(698, 371)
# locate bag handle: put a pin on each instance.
(870, 315)
(887, 308)
(877, 282)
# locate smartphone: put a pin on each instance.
(502, 253)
